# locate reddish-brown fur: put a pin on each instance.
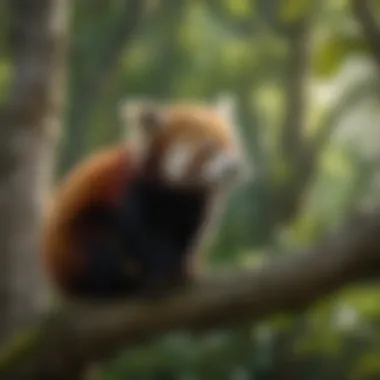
(97, 179)
(194, 124)
(100, 179)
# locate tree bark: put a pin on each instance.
(82, 334)
(29, 128)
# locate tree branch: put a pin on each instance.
(85, 333)
(292, 142)
(292, 131)
(349, 99)
(290, 198)
(370, 27)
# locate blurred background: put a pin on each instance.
(306, 84)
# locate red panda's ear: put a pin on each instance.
(142, 115)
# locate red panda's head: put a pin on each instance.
(187, 145)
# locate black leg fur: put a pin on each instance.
(152, 228)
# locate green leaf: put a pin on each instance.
(240, 8)
(367, 366)
(293, 10)
(330, 55)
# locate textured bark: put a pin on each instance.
(29, 127)
(82, 334)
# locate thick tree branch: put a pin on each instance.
(370, 27)
(85, 333)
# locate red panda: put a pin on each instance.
(134, 216)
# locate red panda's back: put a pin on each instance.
(97, 179)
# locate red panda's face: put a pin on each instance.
(190, 145)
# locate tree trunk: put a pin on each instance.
(30, 121)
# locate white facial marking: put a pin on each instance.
(177, 161)
(222, 167)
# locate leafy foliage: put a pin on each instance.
(197, 49)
